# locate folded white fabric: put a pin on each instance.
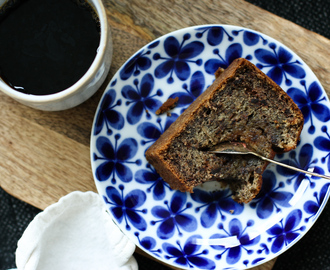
(75, 233)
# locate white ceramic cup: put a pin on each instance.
(86, 86)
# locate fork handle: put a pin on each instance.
(291, 167)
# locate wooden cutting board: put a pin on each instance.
(45, 155)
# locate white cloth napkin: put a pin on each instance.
(75, 233)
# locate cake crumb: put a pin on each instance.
(231, 211)
(167, 105)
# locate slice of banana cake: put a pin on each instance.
(242, 105)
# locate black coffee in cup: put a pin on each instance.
(46, 45)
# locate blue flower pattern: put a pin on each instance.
(310, 103)
(304, 162)
(270, 197)
(233, 51)
(312, 207)
(323, 144)
(140, 98)
(126, 208)
(214, 203)
(214, 34)
(189, 255)
(172, 217)
(234, 253)
(156, 184)
(134, 66)
(114, 159)
(189, 94)
(151, 132)
(281, 64)
(107, 116)
(131, 100)
(251, 38)
(148, 243)
(178, 57)
(283, 233)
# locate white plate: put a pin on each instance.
(198, 230)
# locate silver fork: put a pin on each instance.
(241, 149)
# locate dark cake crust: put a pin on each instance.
(242, 105)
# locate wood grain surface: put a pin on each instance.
(45, 155)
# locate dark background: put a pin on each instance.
(311, 252)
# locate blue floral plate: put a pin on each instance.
(206, 230)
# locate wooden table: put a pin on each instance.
(45, 155)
